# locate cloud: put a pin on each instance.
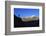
(33, 16)
(30, 18)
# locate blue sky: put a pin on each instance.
(22, 12)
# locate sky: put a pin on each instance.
(22, 12)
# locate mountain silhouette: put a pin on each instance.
(19, 23)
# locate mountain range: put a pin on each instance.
(30, 18)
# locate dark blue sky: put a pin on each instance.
(25, 12)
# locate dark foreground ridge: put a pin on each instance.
(19, 23)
